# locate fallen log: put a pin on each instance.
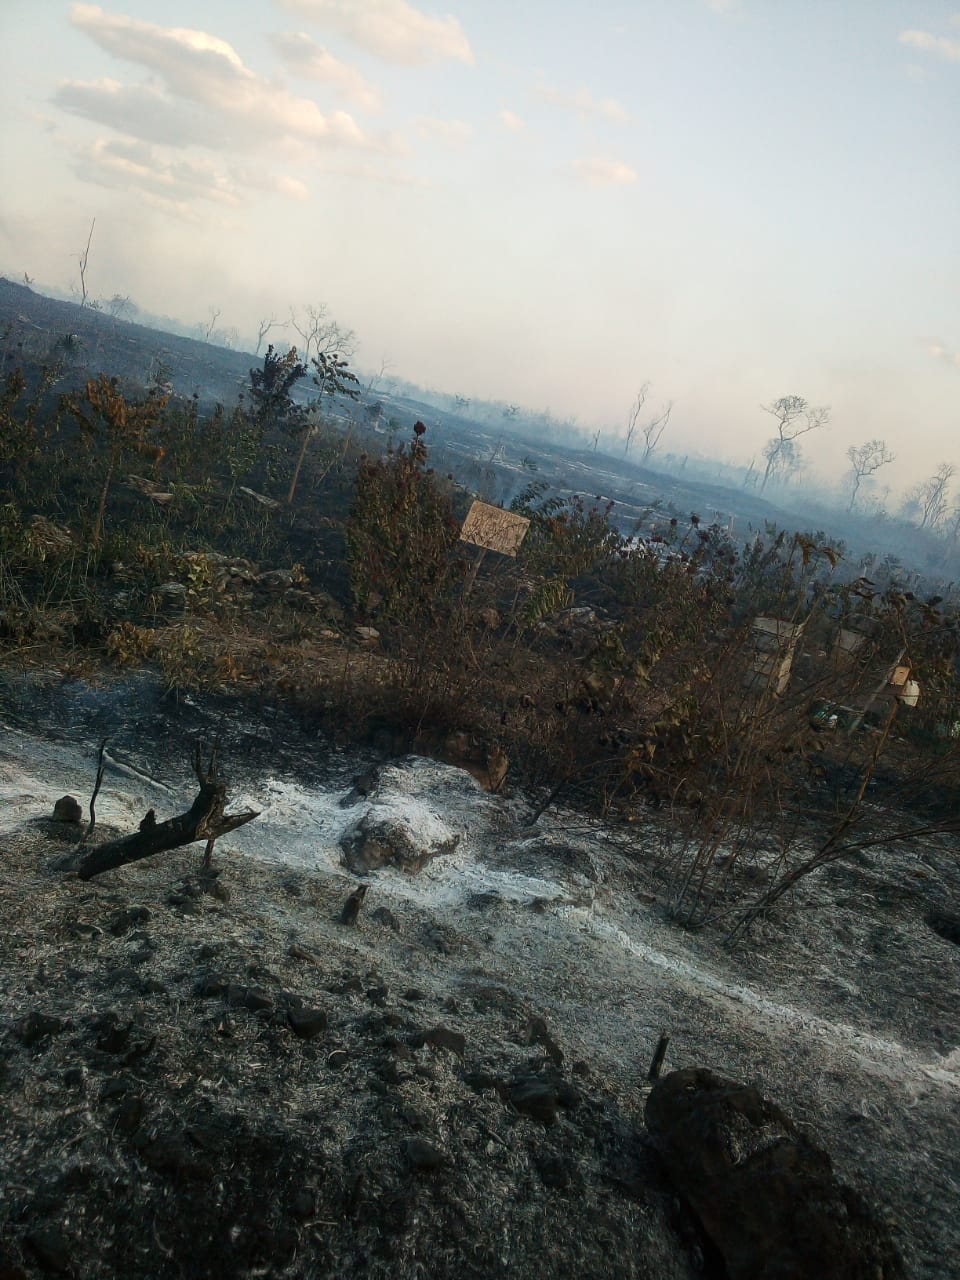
(204, 820)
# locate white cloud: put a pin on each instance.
(723, 7)
(241, 108)
(596, 171)
(450, 133)
(584, 103)
(141, 111)
(125, 164)
(941, 352)
(940, 46)
(390, 29)
(511, 121)
(312, 61)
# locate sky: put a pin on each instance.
(546, 202)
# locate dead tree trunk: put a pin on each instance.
(204, 820)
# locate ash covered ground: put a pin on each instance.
(215, 1077)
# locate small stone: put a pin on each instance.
(252, 998)
(423, 1154)
(413, 994)
(384, 916)
(338, 1059)
(440, 1038)
(67, 809)
(307, 1023)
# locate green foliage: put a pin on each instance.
(400, 534)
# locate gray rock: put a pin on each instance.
(382, 837)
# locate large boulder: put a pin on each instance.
(399, 820)
(765, 1194)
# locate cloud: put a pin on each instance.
(174, 184)
(940, 46)
(242, 109)
(511, 121)
(941, 352)
(584, 103)
(312, 61)
(723, 7)
(140, 111)
(450, 133)
(596, 171)
(390, 29)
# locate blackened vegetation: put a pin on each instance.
(273, 548)
(204, 820)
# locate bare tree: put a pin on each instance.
(654, 430)
(319, 334)
(120, 305)
(208, 326)
(651, 430)
(795, 417)
(83, 258)
(633, 421)
(929, 498)
(866, 460)
(265, 326)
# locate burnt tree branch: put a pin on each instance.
(204, 820)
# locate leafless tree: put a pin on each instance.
(208, 326)
(650, 431)
(119, 305)
(795, 417)
(866, 460)
(319, 335)
(929, 498)
(265, 326)
(83, 258)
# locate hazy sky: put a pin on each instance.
(543, 201)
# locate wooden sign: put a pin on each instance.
(494, 529)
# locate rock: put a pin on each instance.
(337, 1060)
(67, 809)
(307, 1023)
(34, 1027)
(51, 1249)
(537, 1033)
(440, 1038)
(537, 1098)
(253, 998)
(423, 1155)
(385, 917)
(765, 1194)
(351, 908)
(386, 835)
(173, 592)
(368, 636)
(126, 918)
